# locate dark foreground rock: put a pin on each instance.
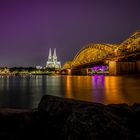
(65, 119)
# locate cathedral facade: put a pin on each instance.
(52, 60)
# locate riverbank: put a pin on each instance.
(67, 119)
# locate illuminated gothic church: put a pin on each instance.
(52, 60)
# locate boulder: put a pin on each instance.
(67, 119)
(94, 123)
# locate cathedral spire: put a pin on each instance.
(50, 54)
(54, 55)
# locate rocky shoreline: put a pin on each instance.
(66, 119)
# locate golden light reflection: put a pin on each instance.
(112, 92)
(79, 87)
(82, 88)
(68, 87)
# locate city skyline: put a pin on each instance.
(30, 28)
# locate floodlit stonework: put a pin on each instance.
(52, 60)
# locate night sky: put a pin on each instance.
(28, 28)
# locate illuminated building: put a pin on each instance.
(52, 60)
(39, 67)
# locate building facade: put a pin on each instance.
(52, 60)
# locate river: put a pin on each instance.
(26, 91)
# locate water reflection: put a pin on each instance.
(98, 88)
(69, 87)
(26, 91)
(78, 87)
(113, 94)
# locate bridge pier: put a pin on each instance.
(118, 68)
(138, 66)
(68, 71)
(84, 71)
(81, 71)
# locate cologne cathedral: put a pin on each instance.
(52, 60)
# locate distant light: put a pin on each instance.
(39, 67)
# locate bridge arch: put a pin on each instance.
(93, 53)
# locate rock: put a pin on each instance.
(67, 119)
(60, 107)
(135, 123)
(123, 113)
(93, 123)
(12, 121)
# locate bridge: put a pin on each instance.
(119, 59)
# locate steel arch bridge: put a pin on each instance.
(93, 53)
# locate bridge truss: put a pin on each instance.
(94, 53)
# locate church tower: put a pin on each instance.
(52, 60)
(50, 55)
(54, 55)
